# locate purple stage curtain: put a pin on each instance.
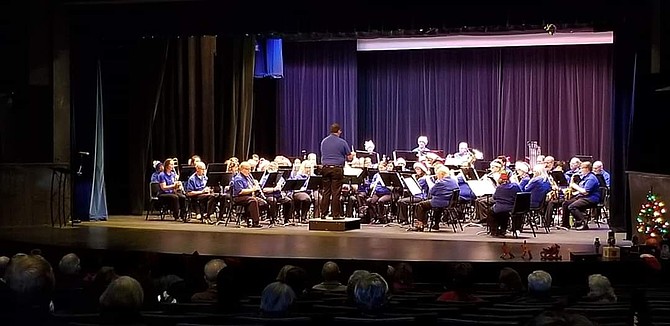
(319, 88)
(495, 99)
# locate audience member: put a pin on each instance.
(30, 280)
(600, 289)
(401, 278)
(4, 261)
(122, 301)
(461, 285)
(276, 299)
(559, 318)
(510, 280)
(212, 269)
(330, 273)
(371, 292)
(230, 288)
(351, 283)
(539, 288)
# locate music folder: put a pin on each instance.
(186, 172)
(481, 187)
(294, 185)
(354, 175)
(215, 179)
(314, 182)
(391, 179)
(559, 177)
(271, 180)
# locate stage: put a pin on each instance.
(370, 242)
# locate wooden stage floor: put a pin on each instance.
(371, 242)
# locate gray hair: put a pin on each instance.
(276, 297)
(539, 281)
(212, 269)
(124, 295)
(370, 292)
(69, 264)
(601, 288)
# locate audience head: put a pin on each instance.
(402, 275)
(123, 295)
(559, 318)
(462, 277)
(539, 282)
(4, 262)
(69, 264)
(230, 288)
(371, 292)
(600, 288)
(330, 271)
(276, 298)
(353, 279)
(31, 279)
(510, 280)
(212, 269)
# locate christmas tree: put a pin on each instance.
(651, 218)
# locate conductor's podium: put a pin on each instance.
(346, 224)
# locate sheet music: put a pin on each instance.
(481, 187)
(412, 186)
(352, 172)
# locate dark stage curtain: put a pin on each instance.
(168, 98)
(495, 99)
(319, 88)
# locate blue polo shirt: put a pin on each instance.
(538, 188)
(196, 183)
(240, 182)
(334, 150)
(592, 186)
(441, 192)
(168, 179)
(504, 197)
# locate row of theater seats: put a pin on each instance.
(634, 307)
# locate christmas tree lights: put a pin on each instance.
(651, 218)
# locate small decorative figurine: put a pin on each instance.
(551, 253)
(507, 252)
(526, 255)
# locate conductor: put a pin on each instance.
(334, 152)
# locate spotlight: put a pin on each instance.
(550, 28)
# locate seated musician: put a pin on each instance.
(302, 198)
(575, 168)
(171, 191)
(403, 204)
(197, 190)
(381, 195)
(464, 155)
(440, 196)
(158, 169)
(193, 160)
(520, 175)
(274, 195)
(466, 195)
(503, 198)
(483, 204)
(599, 171)
(245, 191)
(549, 163)
(421, 150)
(538, 186)
(587, 196)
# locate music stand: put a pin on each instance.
(481, 187)
(374, 156)
(219, 179)
(292, 186)
(409, 156)
(353, 176)
(412, 185)
(391, 179)
(257, 175)
(186, 172)
(217, 167)
(584, 158)
(271, 180)
(469, 173)
(559, 177)
(438, 152)
(314, 184)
